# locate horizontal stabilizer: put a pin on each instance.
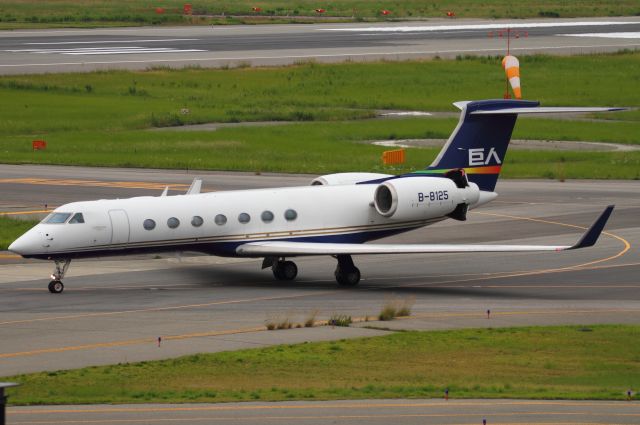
(545, 110)
(291, 248)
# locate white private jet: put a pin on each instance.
(334, 216)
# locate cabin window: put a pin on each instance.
(173, 222)
(290, 214)
(57, 218)
(267, 216)
(77, 218)
(244, 218)
(220, 219)
(149, 224)
(197, 221)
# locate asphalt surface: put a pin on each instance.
(79, 50)
(344, 412)
(113, 310)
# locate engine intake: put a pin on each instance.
(347, 178)
(420, 198)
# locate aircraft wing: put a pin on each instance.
(288, 248)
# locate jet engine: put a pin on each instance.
(347, 178)
(419, 198)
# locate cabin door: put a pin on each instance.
(119, 226)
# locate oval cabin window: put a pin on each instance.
(197, 221)
(220, 219)
(290, 215)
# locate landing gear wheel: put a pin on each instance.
(347, 274)
(62, 265)
(349, 277)
(56, 287)
(285, 270)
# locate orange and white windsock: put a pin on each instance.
(512, 68)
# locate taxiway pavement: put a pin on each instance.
(346, 412)
(114, 310)
(81, 50)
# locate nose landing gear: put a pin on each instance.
(62, 265)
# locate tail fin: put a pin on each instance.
(479, 142)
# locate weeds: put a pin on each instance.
(310, 321)
(394, 307)
(340, 320)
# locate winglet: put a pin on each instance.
(591, 236)
(195, 187)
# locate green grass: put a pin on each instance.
(88, 13)
(103, 118)
(10, 229)
(568, 362)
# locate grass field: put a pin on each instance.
(103, 118)
(10, 229)
(90, 13)
(568, 362)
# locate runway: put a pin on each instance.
(114, 310)
(80, 50)
(344, 412)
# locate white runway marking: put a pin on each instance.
(114, 41)
(424, 28)
(407, 113)
(632, 35)
(329, 55)
(113, 50)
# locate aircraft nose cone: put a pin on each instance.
(25, 244)
(17, 246)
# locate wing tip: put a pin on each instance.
(590, 237)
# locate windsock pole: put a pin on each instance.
(506, 87)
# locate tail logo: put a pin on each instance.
(478, 156)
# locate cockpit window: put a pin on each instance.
(57, 218)
(77, 218)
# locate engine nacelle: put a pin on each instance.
(419, 198)
(346, 178)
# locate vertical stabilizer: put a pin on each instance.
(479, 142)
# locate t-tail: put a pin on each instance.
(479, 142)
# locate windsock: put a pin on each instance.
(512, 68)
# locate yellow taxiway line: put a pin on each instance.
(94, 183)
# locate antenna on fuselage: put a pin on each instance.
(165, 191)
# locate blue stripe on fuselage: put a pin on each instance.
(226, 249)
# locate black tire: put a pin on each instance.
(277, 272)
(289, 270)
(347, 278)
(56, 287)
(285, 270)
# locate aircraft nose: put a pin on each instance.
(25, 244)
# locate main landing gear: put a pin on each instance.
(56, 286)
(284, 270)
(347, 274)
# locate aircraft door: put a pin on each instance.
(119, 226)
